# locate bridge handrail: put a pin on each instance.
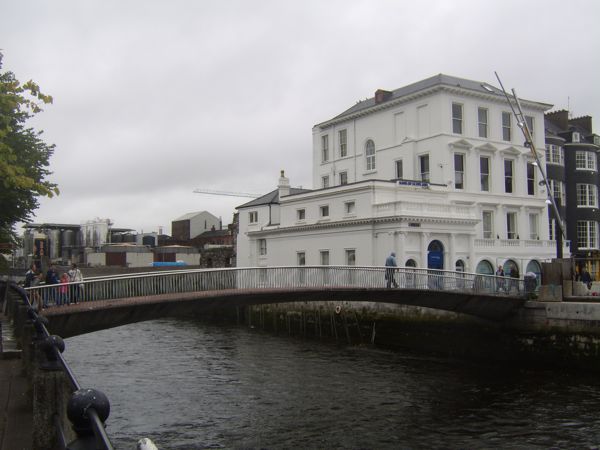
(272, 277)
(53, 346)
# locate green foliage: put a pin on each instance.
(24, 156)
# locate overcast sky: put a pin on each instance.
(153, 99)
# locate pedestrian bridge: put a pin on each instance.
(105, 302)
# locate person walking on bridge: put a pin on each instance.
(75, 277)
(390, 264)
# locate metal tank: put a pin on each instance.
(54, 244)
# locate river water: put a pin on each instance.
(192, 385)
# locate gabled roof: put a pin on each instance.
(191, 215)
(271, 198)
(437, 80)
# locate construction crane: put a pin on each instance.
(226, 193)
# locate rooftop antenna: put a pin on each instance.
(522, 124)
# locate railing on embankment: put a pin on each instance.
(65, 415)
(290, 278)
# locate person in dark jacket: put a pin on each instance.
(50, 294)
(390, 264)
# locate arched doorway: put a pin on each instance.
(411, 263)
(459, 266)
(511, 268)
(485, 267)
(435, 255)
(534, 267)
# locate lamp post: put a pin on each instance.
(522, 124)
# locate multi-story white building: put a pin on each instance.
(435, 171)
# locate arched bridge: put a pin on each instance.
(106, 302)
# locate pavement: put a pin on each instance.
(16, 411)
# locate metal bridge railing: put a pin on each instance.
(287, 277)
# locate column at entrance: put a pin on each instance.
(424, 252)
(450, 260)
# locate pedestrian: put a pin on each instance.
(514, 274)
(30, 275)
(390, 264)
(499, 281)
(586, 278)
(63, 290)
(76, 278)
(50, 293)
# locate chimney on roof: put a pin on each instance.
(559, 118)
(381, 96)
(284, 185)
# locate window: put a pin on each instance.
(324, 211)
(587, 234)
(558, 189)
(350, 257)
(508, 175)
(457, 117)
(325, 181)
(424, 167)
(324, 257)
(300, 214)
(585, 160)
(325, 148)
(587, 195)
(459, 171)
(552, 229)
(488, 224)
(533, 226)
(343, 178)
(301, 258)
(511, 225)
(530, 179)
(482, 122)
(253, 216)
(262, 247)
(506, 126)
(370, 154)
(350, 207)
(530, 124)
(399, 169)
(484, 173)
(555, 154)
(343, 142)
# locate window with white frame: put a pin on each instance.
(324, 211)
(370, 154)
(506, 126)
(587, 195)
(459, 171)
(587, 234)
(487, 221)
(343, 178)
(511, 225)
(508, 175)
(554, 229)
(558, 189)
(585, 160)
(350, 207)
(343, 143)
(534, 223)
(324, 257)
(555, 154)
(457, 118)
(482, 122)
(301, 214)
(253, 216)
(325, 181)
(350, 257)
(301, 258)
(424, 167)
(530, 124)
(484, 173)
(262, 247)
(530, 179)
(325, 148)
(399, 169)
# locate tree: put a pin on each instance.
(24, 156)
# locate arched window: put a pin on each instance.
(370, 154)
(411, 263)
(485, 267)
(460, 265)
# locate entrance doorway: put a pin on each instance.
(435, 255)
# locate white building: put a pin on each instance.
(435, 171)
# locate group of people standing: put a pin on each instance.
(68, 290)
(507, 285)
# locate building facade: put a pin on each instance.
(435, 171)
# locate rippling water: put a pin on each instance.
(189, 385)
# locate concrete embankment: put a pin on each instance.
(554, 334)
